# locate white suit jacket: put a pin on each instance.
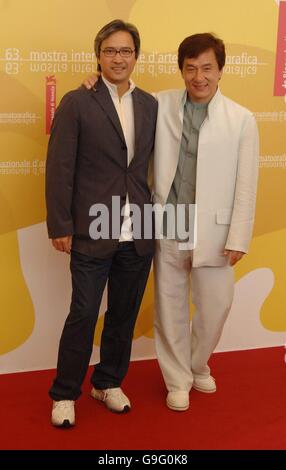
(227, 169)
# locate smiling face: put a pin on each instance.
(201, 75)
(117, 69)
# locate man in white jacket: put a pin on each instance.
(206, 153)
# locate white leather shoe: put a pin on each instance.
(178, 400)
(114, 399)
(206, 385)
(63, 414)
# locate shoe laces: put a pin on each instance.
(112, 393)
(63, 404)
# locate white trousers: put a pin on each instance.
(183, 349)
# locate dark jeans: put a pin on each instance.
(127, 275)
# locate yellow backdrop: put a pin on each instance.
(40, 40)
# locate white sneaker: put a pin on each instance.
(63, 413)
(114, 399)
(178, 400)
(204, 384)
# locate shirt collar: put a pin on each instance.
(195, 105)
(214, 101)
(113, 88)
(211, 105)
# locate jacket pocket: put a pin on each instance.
(223, 216)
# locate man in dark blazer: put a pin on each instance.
(98, 155)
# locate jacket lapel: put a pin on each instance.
(102, 96)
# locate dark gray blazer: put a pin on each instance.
(87, 164)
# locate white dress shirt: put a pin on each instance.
(125, 111)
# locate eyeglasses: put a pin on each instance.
(112, 51)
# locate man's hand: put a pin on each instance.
(63, 244)
(233, 256)
(91, 80)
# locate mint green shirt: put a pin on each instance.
(183, 189)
